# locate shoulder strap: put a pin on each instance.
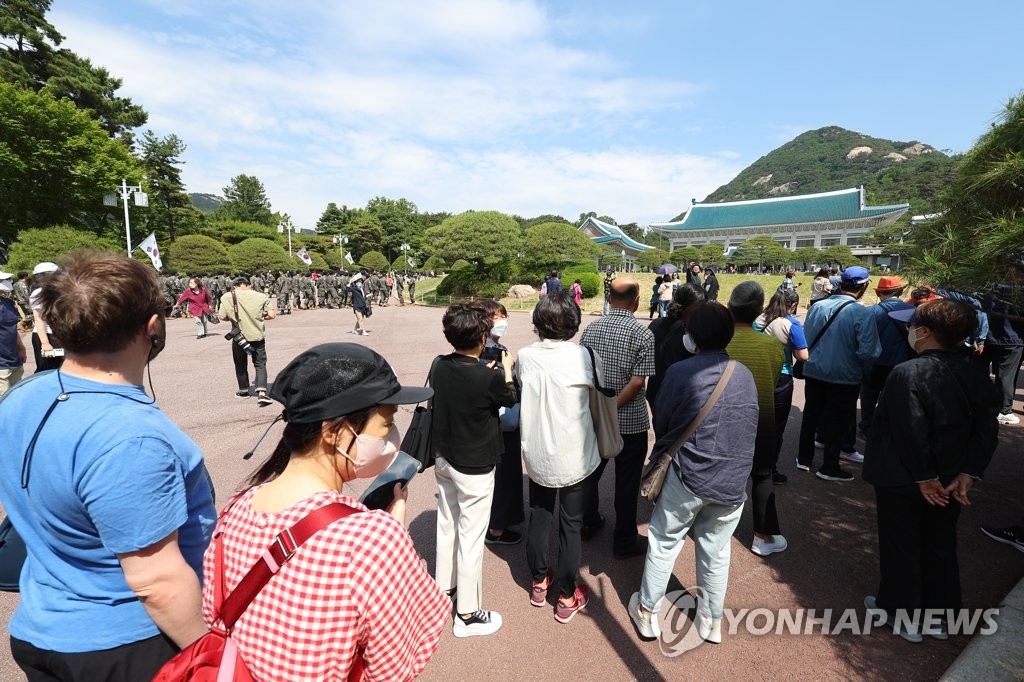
(282, 549)
(234, 300)
(430, 378)
(597, 382)
(709, 404)
(828, 324)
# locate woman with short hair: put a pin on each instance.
(466, 437)
(668, 335)
(706, 485)
(932, 435)
(559, 449)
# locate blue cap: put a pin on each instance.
(856, 274)
(906, 315)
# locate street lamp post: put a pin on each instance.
(286, 224)
(341, 240)
(141, 199)
(405, 255)
(624, 260)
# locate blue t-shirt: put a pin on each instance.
(9, 358)
(110, 475)
(790, 334)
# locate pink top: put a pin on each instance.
(577, 293)
(198, 303)
(357, 585)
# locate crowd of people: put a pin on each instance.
(128, 562)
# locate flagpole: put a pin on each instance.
(127, 225)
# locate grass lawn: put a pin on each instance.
(596, 304)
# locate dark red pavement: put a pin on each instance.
(831, 562)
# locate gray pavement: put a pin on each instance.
(831, 562)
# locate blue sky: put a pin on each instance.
(528, 107)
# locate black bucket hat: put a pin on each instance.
(336, 379)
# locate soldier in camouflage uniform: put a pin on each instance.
(411, 281)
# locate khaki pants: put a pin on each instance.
(9, 377)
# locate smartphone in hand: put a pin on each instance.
(381, 492)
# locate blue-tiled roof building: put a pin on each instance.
(819, 220)
(612, 236)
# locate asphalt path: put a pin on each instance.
(831, 562)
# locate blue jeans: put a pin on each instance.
(662, 308)
(676, 511)
(605, 304)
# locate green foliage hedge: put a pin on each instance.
(460, 264)
(590, 279)
(256, 255)
(50, 243)
(433, 263)
(197, 254)
(374, 260)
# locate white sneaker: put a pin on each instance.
(646, 623)
(763, 547)
(909, 633)
(818, 444)
(709, 629)
(478, 624)
(852, 456)
(802, 467)
(1008, 419)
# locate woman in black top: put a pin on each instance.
(933, 434)
(710, 284)
(668, 335)
(467, 441)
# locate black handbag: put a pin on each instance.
(12, 556)
(417, 443)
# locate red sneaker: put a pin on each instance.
(564, 612)
(539, 591)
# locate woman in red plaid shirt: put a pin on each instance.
(356, 594)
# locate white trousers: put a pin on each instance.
(463, 515)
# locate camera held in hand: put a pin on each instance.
(235, 335)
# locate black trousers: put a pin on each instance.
(1005, 363)
(916, 551)
(629, 467)
(42, 363)
(259, 362)
(834, 408)
(572, 500)
(127, 663)
(507, 505)
(870, 388)
(762, 485)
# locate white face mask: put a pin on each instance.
(499, 328)
(913, 338)
(690, 345)
(373, 455)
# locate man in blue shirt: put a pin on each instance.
(112, 500)
(843, 346)
(894, 346)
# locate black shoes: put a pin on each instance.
(507, 537)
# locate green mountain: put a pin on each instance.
(833, 158)
(207, 203)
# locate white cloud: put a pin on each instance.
(455, 104)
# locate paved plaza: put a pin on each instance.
(831, 562)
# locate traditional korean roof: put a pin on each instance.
(604, 233)
(841, 206)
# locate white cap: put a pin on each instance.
(5, 276)
(5, 285)
(45, 266)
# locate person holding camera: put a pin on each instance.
(246, 310)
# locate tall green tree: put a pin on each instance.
(246, 201)
(840, 255)
(364, 233)
(978, 241)
(332, 221)
(761, 250)
(170, 210)
(476, 236)
(56, 163)
(28, 40)
(806, 256)
(31, 59)
(684, 255)
(397, 219)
